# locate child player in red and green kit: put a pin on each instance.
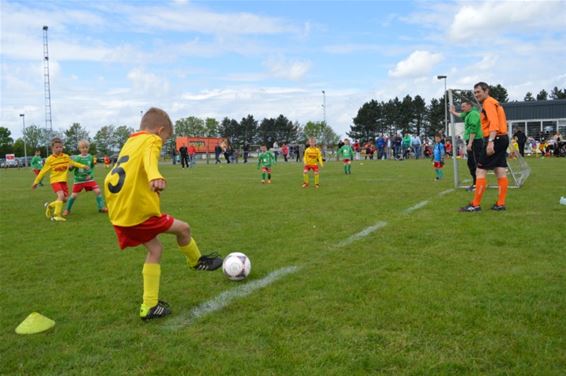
(85, 179)
(58, 163)
(265, 160)
(347, 154)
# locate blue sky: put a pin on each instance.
(109, 59)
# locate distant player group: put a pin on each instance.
(132, 188)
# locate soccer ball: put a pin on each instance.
(236, 266)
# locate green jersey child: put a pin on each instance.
(37, 164)
(265, 160)
(84, 179)
(347, 154)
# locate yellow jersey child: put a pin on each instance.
(132, 190)
(311, 159)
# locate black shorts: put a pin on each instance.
(499, 158)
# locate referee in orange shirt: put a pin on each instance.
(494, 152)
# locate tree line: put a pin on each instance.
(413, 115)
(374, 117)
(109, 139)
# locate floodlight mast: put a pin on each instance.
(47, 88)
(454, 144)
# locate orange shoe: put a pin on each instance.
(305, 185)
(103, 210)
(66, 213)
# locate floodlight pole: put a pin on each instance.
(445, 104)
(324, 106)
(454, 145)
(23, 116)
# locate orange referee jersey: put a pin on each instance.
(493, 117)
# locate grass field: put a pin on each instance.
(389, 278)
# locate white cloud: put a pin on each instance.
(418, 63)
(288, 69)
(144, 83)
(196, 19)
(491, 18)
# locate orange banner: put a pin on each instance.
(201, 144)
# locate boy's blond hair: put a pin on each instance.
(84, 143)
(56, 140)
(156, 118)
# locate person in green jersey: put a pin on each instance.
(265, 160)
(347, 154)
(473, 136)
(84, 179)
(37, 164)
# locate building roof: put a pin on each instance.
(536, 110)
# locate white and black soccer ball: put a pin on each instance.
(236, 266)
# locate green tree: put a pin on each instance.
(529, 97)
(190, 126)
(37, 139)
(19, 147)
(542, 95)
(499, 92)
(368, 121)
(211, 126)
(73, 135)
(265, 132)
(285, 130)
(556, 93)
(104, 139)
(248, 129)
(229, 129)
(121, 135)
(420, 114)
(435, 116)
(391, 116)
(6, 142)
(406, 114)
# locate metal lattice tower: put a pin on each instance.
(46, 84)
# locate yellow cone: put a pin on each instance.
(35, 323)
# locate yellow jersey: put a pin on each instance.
(128, 196)
(59, 166)
(312, 156)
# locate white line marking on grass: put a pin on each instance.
(226, 297)
(446, 192)
(362, 234)
(417, 206)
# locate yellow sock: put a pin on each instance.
(316, 179)
(151, 276)
(191, 251)
(306, 178)
(58, 208)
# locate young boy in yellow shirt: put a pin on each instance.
(132, 190)
(311, 159)
(58, 163)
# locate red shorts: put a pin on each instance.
(308, 168)
(60, 186)
(266, 169)
(87, 186)
(346, 161)
(438, 164)
(36, 171)
(144, 232)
